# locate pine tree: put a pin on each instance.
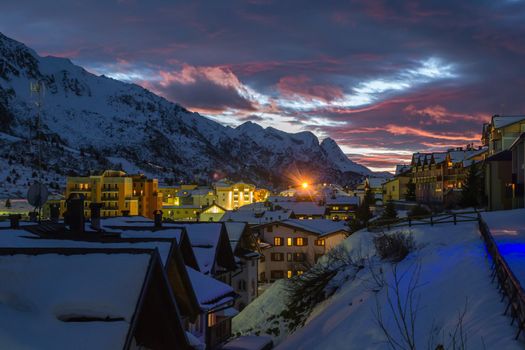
(363, 213)
(390, 212)
(410, 195)
(471, 188)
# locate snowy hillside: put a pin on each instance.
(90, 121)
(453, 296)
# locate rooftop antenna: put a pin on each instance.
(37, 193)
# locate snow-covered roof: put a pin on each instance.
(256, 217)
(375, 182)
(46, 290)
(350, 200)
(204, 238)
(502, 121)
(10, 238)
(234, 231)
(402, 168)
(279, 199)
(321, 227)
(303, 208)
(209, 291)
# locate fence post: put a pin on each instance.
(409, 222)
(455, 219)
(431, 220)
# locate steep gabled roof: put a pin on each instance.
(210, 292)
(63, 298)
(211, 245)
(500, 121)
(302, 208)
(317, 227)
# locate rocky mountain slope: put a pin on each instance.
(91, 122)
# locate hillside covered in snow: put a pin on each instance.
(95, 122)
(439, 294)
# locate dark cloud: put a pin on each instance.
(381, 77)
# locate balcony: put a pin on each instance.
(218, 333)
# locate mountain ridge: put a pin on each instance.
(88, 121)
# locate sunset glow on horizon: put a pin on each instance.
(382, 79)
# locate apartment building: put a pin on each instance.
(292, 246)
(232, 195)
(118, 192)
(439, 176)
(500, 185)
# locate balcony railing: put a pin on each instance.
(219, 332)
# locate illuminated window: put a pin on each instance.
(277, 241)
(299, 272)
(289, 274)
(212, 319)
(289, 241)
(319, 242)
(299, 241)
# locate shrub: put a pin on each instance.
(394, 247)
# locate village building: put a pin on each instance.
(395, 189)
(213, 212)
(245, 250)
(302, 210)
(499, 135)
(292, 246)
(257, 214)
(341, 207)
(518, 171)
(232, 195)
(439, 176)
(117, 192)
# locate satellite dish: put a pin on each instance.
(37, 194)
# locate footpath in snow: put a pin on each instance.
(453, 280)
(508, 229)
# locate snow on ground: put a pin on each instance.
(454, 274)
(508, 229)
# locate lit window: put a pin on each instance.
(319, 242)
(277, 241)
(289, 274)
(299, 272)
(289, 241)
(300, 241)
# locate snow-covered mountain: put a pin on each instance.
(91, 122)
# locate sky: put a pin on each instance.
(382, 78)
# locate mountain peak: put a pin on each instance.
(121, 125)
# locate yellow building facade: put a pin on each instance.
(117, 192)
(396, 188)
(234, 195)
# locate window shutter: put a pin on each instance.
(305, 241)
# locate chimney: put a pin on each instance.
(158, 218)
(75, 209)
(15, 220)
(54, 212)
(95, 215)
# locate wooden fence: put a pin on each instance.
(509, 285)
(447, 218)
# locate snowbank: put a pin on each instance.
(453, 277)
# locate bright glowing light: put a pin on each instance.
(304, 185)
